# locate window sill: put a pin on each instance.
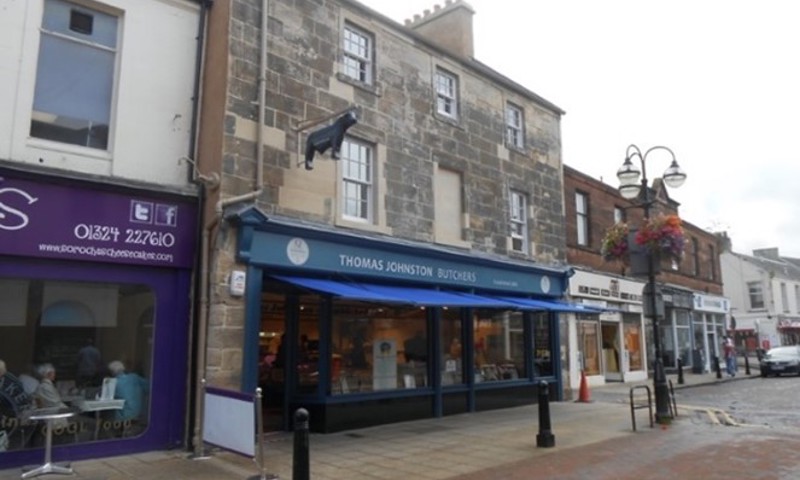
(363, 225)
(516, 149)
(453, 243)
(453, 121)
(69, 149)
(367, 87)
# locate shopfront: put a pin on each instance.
(675, 328)
(608, 346)
(708, 327)
(90, 275)
(362, 331)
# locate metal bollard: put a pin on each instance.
(300, 464)
(680, 371)
(746, 364)
(545, 437)
(717, 367)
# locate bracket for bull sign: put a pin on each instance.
(329, 137)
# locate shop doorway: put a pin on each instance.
(611, 352)
(288, 353)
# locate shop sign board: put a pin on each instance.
(50, 220)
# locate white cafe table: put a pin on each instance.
(98, 406)
(49, 416)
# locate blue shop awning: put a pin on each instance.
(394, 294)
(352, 291)
(431, 297)
(551, 305)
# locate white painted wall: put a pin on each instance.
(152, 107)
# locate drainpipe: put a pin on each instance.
(208, 241)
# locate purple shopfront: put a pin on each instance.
(92, 274)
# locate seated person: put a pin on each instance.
(46, 394)
(132, 388)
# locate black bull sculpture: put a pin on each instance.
(328, 137)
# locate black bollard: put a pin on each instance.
(717, 367)
(300, 467)
(746, 364)
(545, 437)
(680, 371)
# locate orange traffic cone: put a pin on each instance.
(583, 395)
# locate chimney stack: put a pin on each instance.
(449, 27)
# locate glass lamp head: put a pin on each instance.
(628, 174)
(674, 176)
(630, 191)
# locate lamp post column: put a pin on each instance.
(659, 376)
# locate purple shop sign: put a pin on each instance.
(59, 221)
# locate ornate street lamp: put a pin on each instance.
(631, 187)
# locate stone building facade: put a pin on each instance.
(451, 147)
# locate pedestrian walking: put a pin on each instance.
(729, 353)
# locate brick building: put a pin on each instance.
(617, 346)
(368, 289)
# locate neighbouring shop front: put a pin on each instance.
(608, 346)
(92, 274)
(675, 329)
(708, 326)
(362, 331)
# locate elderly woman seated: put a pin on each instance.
(130, 387)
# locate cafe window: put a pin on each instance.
(378, 347)
(499, 349)
(76, 344)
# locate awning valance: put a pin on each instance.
(429, 297)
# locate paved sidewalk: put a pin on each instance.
(429, 449)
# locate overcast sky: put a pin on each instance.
(717, 81)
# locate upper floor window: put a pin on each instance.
(358, 63)
(515, 126)
(357, 165)
(75, 75)
(446, 93)
(797, 298)
(712, 271)
(784, 298)
(582, 217)
(619, 214)
(695, 257)
(756, 294)
(518, 221)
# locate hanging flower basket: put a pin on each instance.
(615, 242)
(661, 236)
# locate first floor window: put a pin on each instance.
(74, 75)
(357, 172)
(519, 222)
(756, 295)
(582, 218)
(357, 54)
